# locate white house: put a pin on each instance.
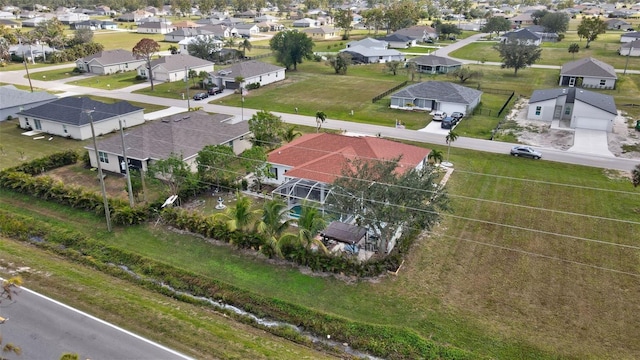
(253, 72)
(109, 62)
(589, 73)
(156, 27)
(185, 33)
(624, 38)
(522, 36)
(71, 117)
(184, 133)
(436, 95)
(582, 108)
(630, 49)
(306, 22)
(175, 67)
(15, 100)
(247, 30)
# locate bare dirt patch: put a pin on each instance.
(77, 175)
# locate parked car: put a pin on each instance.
(215, 90)
(457, 115)
(448, 122)
(438, 115)
(526, 152)
(200, 96)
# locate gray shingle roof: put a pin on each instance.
(189, 32)
(251, 68)
(185, 134)
(397, 38)
(109, 57)
(631, 34)
(179, 61)
(433, 60)
(11, 97)
(73, 110)
(440, 91)
(366, 51)
(601, 101)
(589, 67)
(522, 34)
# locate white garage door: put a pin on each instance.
(591, 123)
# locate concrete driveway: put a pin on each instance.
(587, 141)
(434, 128)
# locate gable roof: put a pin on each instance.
(74, 110)
(320, 30)
(111, 57)
(600, 101)
(398, 38)
(589, 67)
(251, 68)
(434, 60)
(372, 51)
(417, 31)
(179, 62)
(12, 96)
(631, 34)
(189, 32)
(635, 44)
(368, 43)
(440, 91)
(522, 34)
(185, 133)
(322, 157)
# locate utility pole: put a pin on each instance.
(627, 62)
(24, 59)
(242, 113)
(107, 213)
(186, 82)
(126, 165)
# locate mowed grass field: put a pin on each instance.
(537, 260)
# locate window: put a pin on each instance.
(538, 110)
(567, 111)
(26, 121)
(603, 82)
(64, 128)
(104, 158)
(37, 124)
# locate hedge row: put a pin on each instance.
(385, 341)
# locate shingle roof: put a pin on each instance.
(440, 91)
(368, 43)
(589, 67)
(371, 51)
(185, 134)
(635, 44)
(322, 157)
(417, 31)
(631, 34)
(320, 30)
(73, 110)
(11, 97)
(251, 68)
(189, 32)
(434, 60)
(108, 57)
(601, 101)
(397, 38)
(179, 61)
(522, 34)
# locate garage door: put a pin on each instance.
(591, 123)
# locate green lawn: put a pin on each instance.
(109, 82)
(53, 74)
(127, 40)
(470, 283)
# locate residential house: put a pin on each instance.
(266, 18)
(247, 30)
(134, 16)
(156, 27)
(630, 49)
(249, 14)
(624, 38)
(33, 22)
(436, 95)
(183, 45)
(15, 100)
(365, 55)
(185, 134)
(322, 33)
(253, 72)
(10, 24)
(421, 33)
(221, 31)
(7, 15)
(267, 26)
(185, 33)
(94, 25)
(582, 108)
(104, 11)
(31, 51)
(71, 117)
(305, 22)
(618, 24)
(544, 34)
(589, 73)
(521, 20)
(109, 62)
(370, 43)
(432, 64)
(70, 18)
(521, 36)
(398, 41)
(186, 24)
(175, 67)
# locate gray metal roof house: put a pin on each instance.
(15, 100)
(436, 95)
(588, 73)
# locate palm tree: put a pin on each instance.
(635, 176)
(274, 222)
(451, 137)
(435, 156)
(245, 45)
(310, 223)
(240, 216)
(320, 118)
(239, 80)
(573, 49)
(290, 133)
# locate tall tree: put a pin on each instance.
(465, 73)
(340, 62)
(205, 7)
(411, 68)
(343, 20)
(555, 22)
(402, 14)
(376, 194)
(291, 47)
(4, 51)
(245, 45)
(435, 156)
(444, 30)
(321, 117)
(373, 18)
(393, 66)
(145, 49)
(266, 128)
(202, 47)
(537, 15)
(573, 49)
(212, 162)
(590, 28)
(290, 133)
(274, 222)
(517, 56)
(495, 24)
(82, 36)
(254, 160)
(174, 172)
(310, 222)
(451, 137)
(240, 216)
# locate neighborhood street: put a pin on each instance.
(593, 158)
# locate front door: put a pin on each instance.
(557, 112)
(572, 82)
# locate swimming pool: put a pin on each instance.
(294, 212)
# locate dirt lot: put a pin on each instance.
(539, 133)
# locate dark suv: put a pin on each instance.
(215, 90)
(448, 122)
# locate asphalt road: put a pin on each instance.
(46, 329)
